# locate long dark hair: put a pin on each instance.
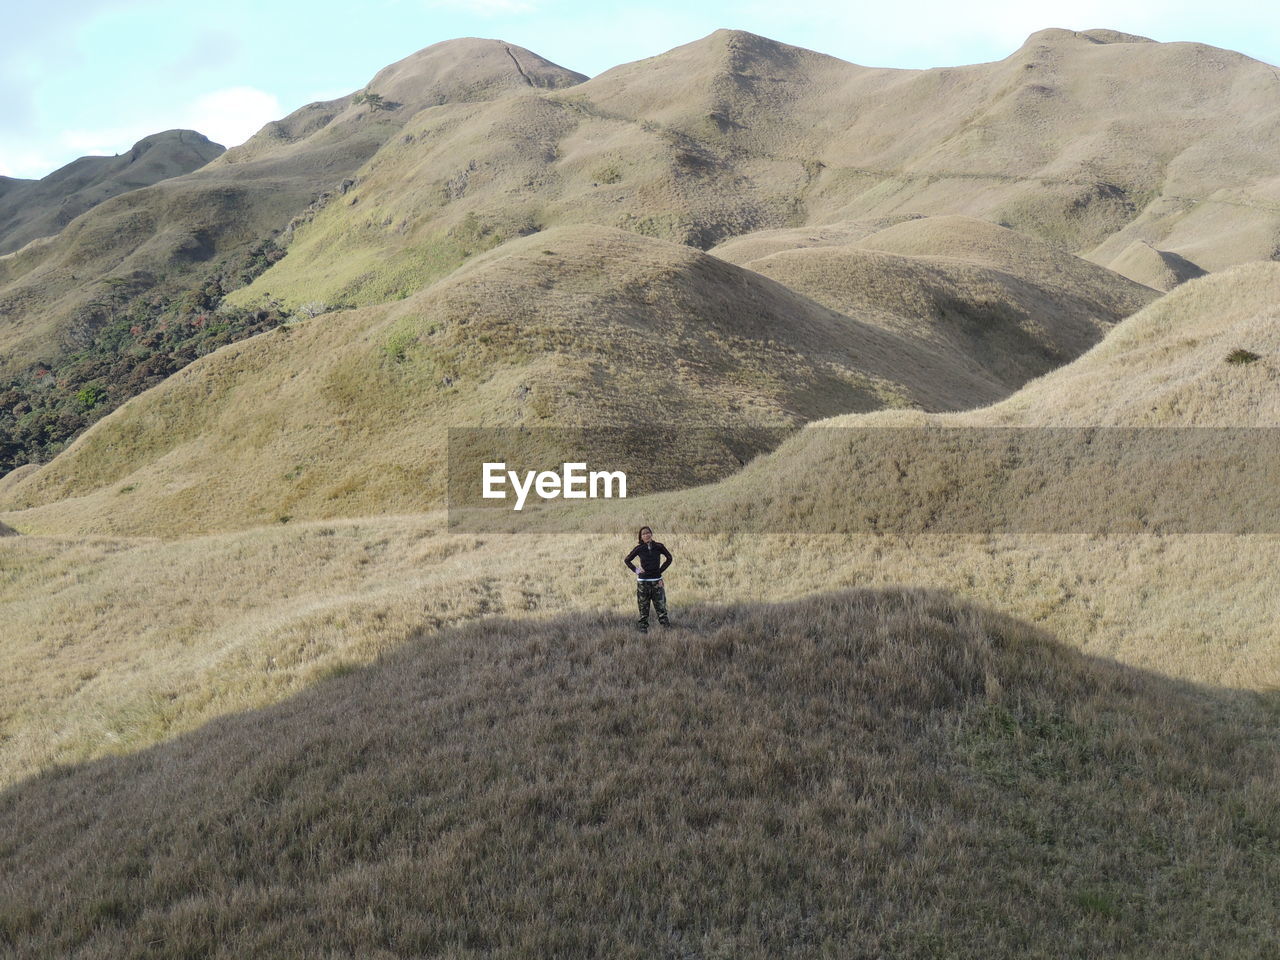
(640, 534)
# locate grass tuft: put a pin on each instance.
(1241, 356)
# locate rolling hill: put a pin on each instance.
(1171, 364)
(165, 237)
(169, 633)
(345, 414)
(1202, 356)
(1017, 306)
(30, 209)
(1089, 141)
(251, 670)
(1151, 158)
(876, 773)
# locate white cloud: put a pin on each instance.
(228, 117)
(25, 164)
(232, 116)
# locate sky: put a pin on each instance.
(81, 77)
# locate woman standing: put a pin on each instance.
(649, 577)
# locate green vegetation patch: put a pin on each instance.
(126, 341)
(607, 174)
(398, 344)
(374, 100)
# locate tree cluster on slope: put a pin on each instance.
(123, 343)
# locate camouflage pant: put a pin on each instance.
(651, 591)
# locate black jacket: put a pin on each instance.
(650, 566)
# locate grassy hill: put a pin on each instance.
(1174, 363)
(1131, 153)
(307, 594)
(1155, 268)
(857, 773)
(251, 671)
(1017, 306)
(30, 209)
(133, 290)
(164, 237)
(1089, 141)
(345, 414)
(1202, 356)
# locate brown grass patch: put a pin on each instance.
(865, 773)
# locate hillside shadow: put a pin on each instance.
(869, 772)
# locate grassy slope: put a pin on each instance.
(465, 162)
(1018, 306)
(1060, 801)
(1155, 268)
(868, 773)
(153, 638)
(345, 414)
(31, 209)
(1087, 144)
(239, 619)
(726, 135)
(161, 235)
(1167, 365)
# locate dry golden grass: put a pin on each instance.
(168, 233)
(1089, 142)
(40, 208)
(1167, 365)
(141, 638)
(146, 630)
(298, 424)
(886, 772)
(346, 414)
(1155, 268)
(10, 479)
(857, 774)
(118, 644)
(1013, 306)
(155, 626)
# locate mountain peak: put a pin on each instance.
(743, 47)
(30, 209)
(1096, 36)
(468, 69)
(176, 135)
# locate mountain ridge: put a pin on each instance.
(565, 327)
(244, 196)
(34, 209)
(491, 145)
(725, 153)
